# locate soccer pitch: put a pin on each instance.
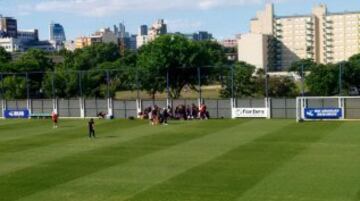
(216, 160)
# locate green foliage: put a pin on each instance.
(303, 64)
(282, 87)
(4, 56)
(147, 70)
(351, 71)
(65, 83)
(14, 87)
(323, 80)
(92, 56)
(244, 81)
(180, 58)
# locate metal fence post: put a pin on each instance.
(2, 108)
(232, 82)
(107, 84)
(340, 78)
(266, 85)
(137, 84)
(199, 84)
(28, 101)
(302, 80)
(168, 88)
(52, 85)
(27, 85)
(80, 84)
(82, 107)
(1, 89)
(138, 107)
(341, 103)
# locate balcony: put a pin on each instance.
(309, 27)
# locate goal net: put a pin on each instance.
(327, 108)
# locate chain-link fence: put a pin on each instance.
(126, 92)
(131, 83)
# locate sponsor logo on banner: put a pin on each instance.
(250, 112)
(16, 114)
(323, 113)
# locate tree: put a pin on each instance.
(243, 81)
(33, 60)
(351, 71)
(302, 64)
(178, 56)
(14, 87)
(280, 87)
(90, 57)
(5, 57)
(323, 80)
(64, 83)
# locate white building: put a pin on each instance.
(157, 29)
(141, 40)
(11, 44)
(255, 52)
(322, 36)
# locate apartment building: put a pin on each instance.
(322, 36)
(102, 36)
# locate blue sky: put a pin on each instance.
(223, 18)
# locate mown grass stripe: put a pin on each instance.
(125, 180)
(19, 160)
(22, 127)
(229, 176)
(34, 129)
(60, 135)
(25, 182)
(326, 171)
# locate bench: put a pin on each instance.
(40, 115)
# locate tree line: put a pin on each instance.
(168, 64)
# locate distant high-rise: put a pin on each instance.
(143, 30)
(122, 31)
(275, 42)
(8, 27)
(57, 33)
(157, 29)
(131, 43)
(202, 35)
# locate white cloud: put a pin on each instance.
(100, 8)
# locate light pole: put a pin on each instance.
(340, 77)
(266, 82)
(52, 85)
(27, 86)
(168, 87)
(199, 80)
(302, 80)
(232, 82)
(80, 84)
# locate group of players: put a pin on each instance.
(155, 115)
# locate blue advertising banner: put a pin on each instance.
(323, 113)
(17, 114)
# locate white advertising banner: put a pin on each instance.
(249, 112)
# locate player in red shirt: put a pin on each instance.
(55, 118)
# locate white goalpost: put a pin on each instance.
(327, 108)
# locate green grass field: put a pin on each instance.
(216, 160)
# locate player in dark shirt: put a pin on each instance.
(91, 125)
